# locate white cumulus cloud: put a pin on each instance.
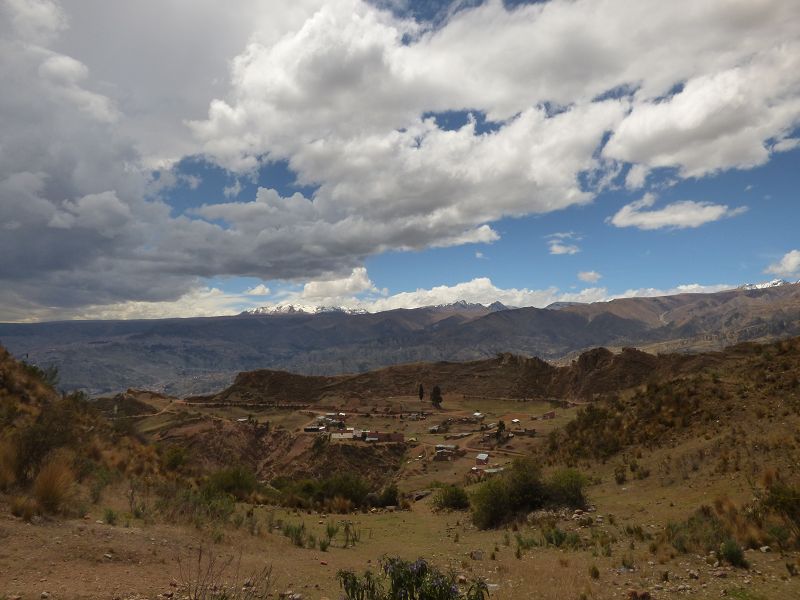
(787, 266)
(589, 276)
(677, 215)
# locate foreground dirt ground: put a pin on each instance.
(87, 559)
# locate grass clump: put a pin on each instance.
(53, 484)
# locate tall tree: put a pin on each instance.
(436, 396)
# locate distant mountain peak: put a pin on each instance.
(497, 306)
(464, 305)
(560, 305)
(763, 286)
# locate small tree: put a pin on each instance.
(421, 392)
(436, 396)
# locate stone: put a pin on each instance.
(694, 575)
(765, 549)
(44, 595)
(476, 555)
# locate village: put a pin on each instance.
(459, 442)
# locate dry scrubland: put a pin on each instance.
(686, 469)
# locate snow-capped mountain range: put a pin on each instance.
(302, 309)
(766, 284)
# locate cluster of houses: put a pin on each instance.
(336, 425)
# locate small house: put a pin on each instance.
(549, 415)
(482, 459)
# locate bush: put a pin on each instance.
(347, 487)
(701, 533)
(521, 490)
(53, 484)
(174, 458)
(565, 487)
(239, 482)
(491, 505)
(732, 552)
(110, 517)
(451, 497)
(54, 427)
(404, 579)
(8, 464)
(389, 496)
(784, 500)
(193, 505)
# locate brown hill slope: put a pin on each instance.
(595, 372)
(750, 386)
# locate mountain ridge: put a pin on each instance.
(201, 355)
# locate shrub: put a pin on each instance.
(389, 496)
(700, 533)
(239, 482)
(521, 489)
(451, 497)
(620, 475)
(405, 579)
(339, 505)
(491, 505)
(784, 500)
(47, 375)
(8, 464)
(53, 484)
(54, 427)
(730, 551)
(174, 458)
(594, 572)
(193, 505)
(110, 517)
(565, 487)
(525, 488)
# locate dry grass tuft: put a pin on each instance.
(53, 484)
(24, 507)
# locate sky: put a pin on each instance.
(195, 158)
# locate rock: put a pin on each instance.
(694, 575)
(765, 549)
(44, 595)
(462, 579)
(476, 555)
(108, 556)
